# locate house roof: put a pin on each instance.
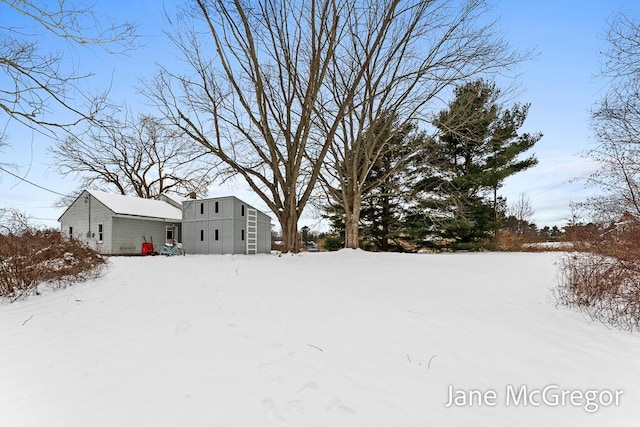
(173, 197)
(136, 206)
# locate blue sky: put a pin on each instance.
(559, 83)
(561, 86)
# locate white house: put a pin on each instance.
(116, 224)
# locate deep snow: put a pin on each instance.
(324, 339)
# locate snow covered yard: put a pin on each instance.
(326, 339)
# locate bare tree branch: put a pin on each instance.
(252, 104)
(143, 157)
(426, 47)
(615, 123)
(37, 88)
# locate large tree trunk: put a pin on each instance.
(289, 222)
(352, 224)
(290, 236)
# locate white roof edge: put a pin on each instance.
(175, 198)
(152, 218)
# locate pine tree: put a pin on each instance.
(381, 209)
(382, 202)
(477, 146)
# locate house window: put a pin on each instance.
(216, 234)
(242, 234)
(202, 235)
(70, 231)
(201, 208)
(100, 233)
(217, 207)
(242, 210)
(170, 233)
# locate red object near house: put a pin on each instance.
(147, 248)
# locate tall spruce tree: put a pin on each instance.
(477, 146)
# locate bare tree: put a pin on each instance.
(255, 105)
(522, 210)
(142, 157)
(36, 83)
(616, 126)
(618, 154)
(13, 221)
(602, 278)
(428, 46)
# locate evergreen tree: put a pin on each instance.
(383, 207)
(307, 236)
(555, 234)
(545, 233)
(383, 201)
(477, 146)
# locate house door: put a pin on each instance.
(171, 234)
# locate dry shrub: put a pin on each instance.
(508, 241)
(602, 277)
(30, 258)
(277, 245)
